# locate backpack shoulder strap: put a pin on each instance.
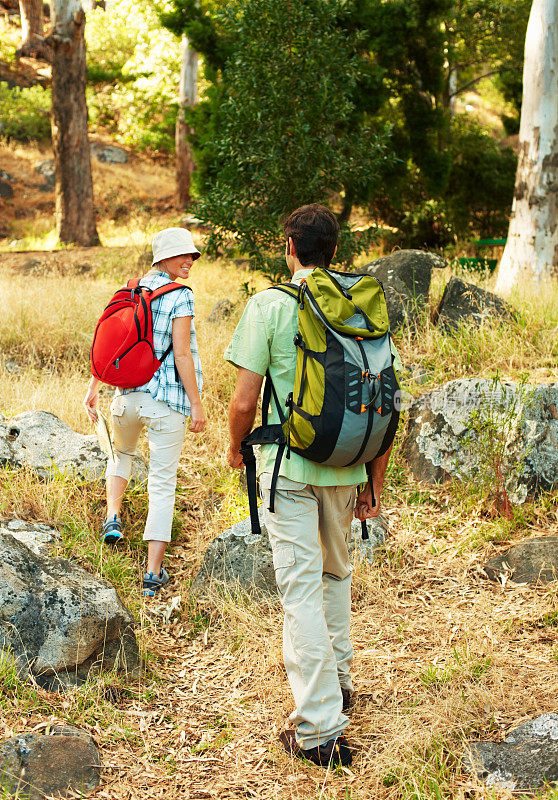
(292, 289)
(168, 287)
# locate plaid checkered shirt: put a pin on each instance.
(164, 384)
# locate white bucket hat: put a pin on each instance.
(173, 242)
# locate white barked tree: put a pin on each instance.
(531, 252)
(187, 96)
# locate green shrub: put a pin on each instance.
(482, 177)
(283, 119)
(24, 113)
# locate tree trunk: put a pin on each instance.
(186, 97)
(75, 209)
(32, 42)
(531, 251)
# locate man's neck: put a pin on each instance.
(296, 266)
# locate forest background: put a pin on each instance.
(406, 124)
(404, 113)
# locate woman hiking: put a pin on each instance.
(162, 404)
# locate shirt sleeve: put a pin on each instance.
(249, 346)
(184, 304)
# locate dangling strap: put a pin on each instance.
(363, 525)
(247, 452)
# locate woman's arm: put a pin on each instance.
(185, 366)
(91, 398)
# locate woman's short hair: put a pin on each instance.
(314, 230)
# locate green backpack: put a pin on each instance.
(344, 407)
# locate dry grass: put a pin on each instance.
(441, 655)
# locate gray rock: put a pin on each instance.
(526, 760)
(405, 276)
(6, 190)
(109, 154)
(6, 176)
(527, 562)
(38, 439)
(46, 169)
(238, 558)
(34, 535)
(35, 765)
(465, 303)
(439, 420)
(60, 619)
(12, 366)
(221, 310)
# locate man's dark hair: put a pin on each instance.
(314, 231)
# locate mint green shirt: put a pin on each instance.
(262, 341)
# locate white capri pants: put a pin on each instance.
(165, 433)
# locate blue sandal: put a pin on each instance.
(112, 531)
(152, 583)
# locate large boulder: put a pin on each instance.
(405, 276)
(60, 764)
(435, 447)
(221, 310)
(46, 169)
(526, 760)
(465, 303)
(37, 536)
(58, 619)
(239, 558)
(527, 562)
(41, 441)
(109, 153)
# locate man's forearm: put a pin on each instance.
(377, 472)
(241, 422)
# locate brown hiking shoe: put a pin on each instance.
(335, 751)
(347, 699)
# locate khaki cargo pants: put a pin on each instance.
(309, 533)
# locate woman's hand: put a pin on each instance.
(197, 418)
(91, 399)
(364, 507)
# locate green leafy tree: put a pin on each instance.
(284, 131)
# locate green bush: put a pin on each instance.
(282, 125)
(24, 113)
(479, 194)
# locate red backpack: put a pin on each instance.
(122, 352)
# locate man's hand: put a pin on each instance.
(235, 459)
(364, 509)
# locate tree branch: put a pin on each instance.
(479, 78)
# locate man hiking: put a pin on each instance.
(313, 505)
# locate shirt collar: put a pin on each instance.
(300, 274)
